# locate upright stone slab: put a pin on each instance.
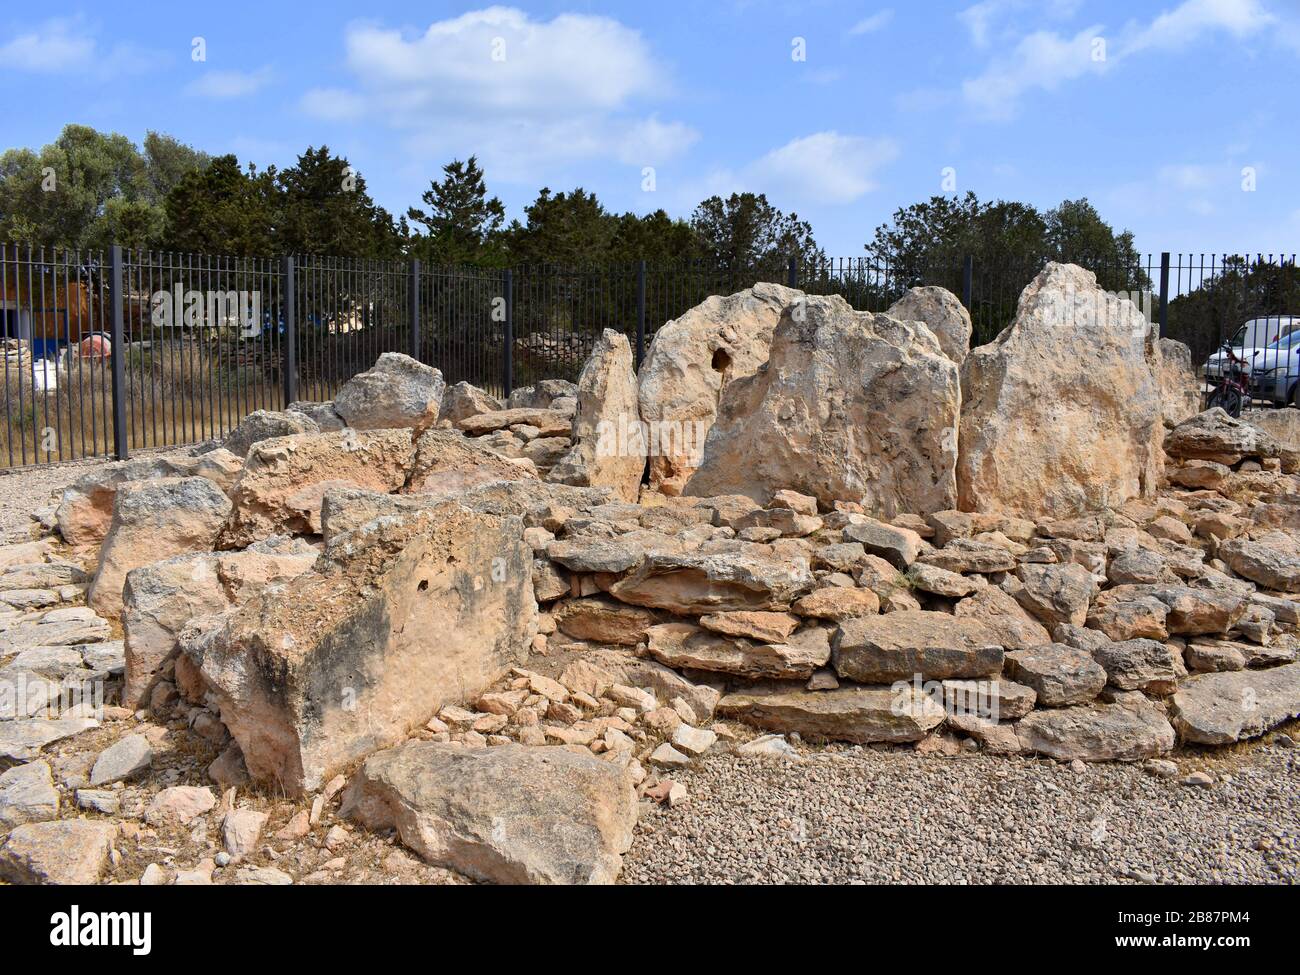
(1061, 413)
(850, 406)
(690, 361)
(608, 443)
(942, 312)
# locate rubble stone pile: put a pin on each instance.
(421, 609)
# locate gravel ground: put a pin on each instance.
(24, 490)
(890, 816)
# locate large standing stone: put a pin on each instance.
(857, 714)
(943, 312)
(159, 599)
(153, 520)
(904, 644)
(1218, 709)
(284, 480)
(397, 618)
(1097, 733)
(1061, 413)
(510, 815)
(1180, 390)
(608, 444)
(69, 851)
(396, 392)
(850, 406)
(690, 361)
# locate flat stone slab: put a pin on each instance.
(22, 741)
(904, 644)
(858, 714)
(1218, 709)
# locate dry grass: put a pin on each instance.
(178, 392)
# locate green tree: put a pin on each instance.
(222, 210)
(745, 231)
(562, 228)
(462, 225)
(655, 238)
(323, 208)
(90, 189)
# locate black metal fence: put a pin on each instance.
(109, 352)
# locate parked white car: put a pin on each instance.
(1275, 371)
(1254, 336)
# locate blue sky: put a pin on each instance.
(1164, 114)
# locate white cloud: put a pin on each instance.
(68, 46)
(981, 19)
(229, 84)
(1045, 59)
(512, 89)
(822, 168)
(869, 25)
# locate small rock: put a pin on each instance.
(124, 759)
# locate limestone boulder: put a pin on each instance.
(857, 714)
(264, 425)
(447, 464)
(542, 395)
(405, 615)
(1061, 413)
(1059, 674)
(690, 361)
(695, 584)
(1219, 709)
(86, 507)
(609, 448)
(396, 392)
(154, 520)
(1180, 390)
(944, 314)
(159, 599)
(507, 815)
(1126, 732)
(1014, 628)
(685, 646)
(1214, 435)
(850, 406)
(285, 479)
(904, 644)
(1273, 560)
(464, 400)
(323, 415)
(69, 851)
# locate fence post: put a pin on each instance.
(1164, 292)
(640, 313)
(121, 447)
(508, 356)
(792, 274)
(967, 280)
(290, 363)
(415, 309)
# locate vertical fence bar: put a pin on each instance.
(640, 313)
(290, 333)
(792, 273)
(415, 309)
(508, 353)
(1164, 293)
(118, 338)
(967, 280)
